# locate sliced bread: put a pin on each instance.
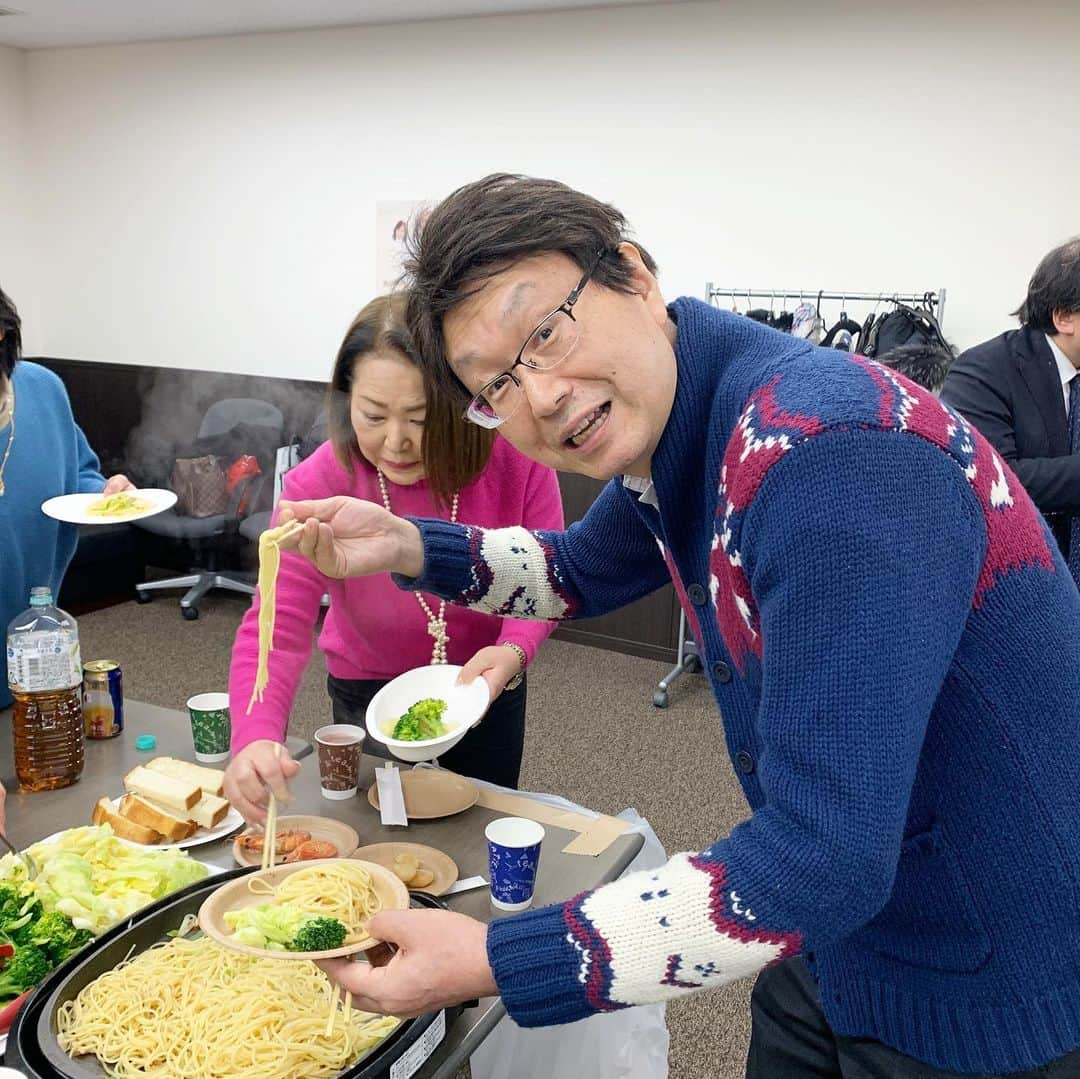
(177, 796)
(121, 826)
(141, 811)
(209, 811)
(210, 780)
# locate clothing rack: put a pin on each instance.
(935, 299)
(687, 659)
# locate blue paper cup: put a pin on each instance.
(513, 855)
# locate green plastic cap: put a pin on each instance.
(146, 741)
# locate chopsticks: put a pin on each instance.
(269, 851)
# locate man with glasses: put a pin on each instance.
(862, 574)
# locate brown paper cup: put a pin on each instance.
(339, 746)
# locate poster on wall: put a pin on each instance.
(394, 221)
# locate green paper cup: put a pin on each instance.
(211, 727)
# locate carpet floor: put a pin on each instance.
(592, 736)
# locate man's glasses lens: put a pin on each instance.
(548, 345)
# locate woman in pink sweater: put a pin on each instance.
(389, 445)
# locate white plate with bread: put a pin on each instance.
(170, 803)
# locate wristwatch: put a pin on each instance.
(522, 659)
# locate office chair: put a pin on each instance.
(210, 538)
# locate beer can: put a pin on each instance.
(103, 698)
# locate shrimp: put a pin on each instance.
(311, 849)
(284, 842)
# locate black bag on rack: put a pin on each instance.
(905, 326)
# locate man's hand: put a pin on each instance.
(346, 537)
(117, 483)
(253, 771)
(441, 960)
(496, 664)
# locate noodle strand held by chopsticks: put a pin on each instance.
(190, 1009)
(269, 563)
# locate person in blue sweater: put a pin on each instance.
(886, 623)
(42, 453)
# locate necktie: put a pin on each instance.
(1074, 447)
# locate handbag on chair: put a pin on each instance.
(201, 486)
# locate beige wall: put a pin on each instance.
(211, 203)
(17, 277)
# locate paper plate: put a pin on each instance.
(431, 793)
(74, 508)
(442, 865)
(237, 894)
(324, 828)
(229, 823)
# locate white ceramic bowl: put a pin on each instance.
(465, 706)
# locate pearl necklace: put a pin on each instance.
(436, 625)
(9, 407)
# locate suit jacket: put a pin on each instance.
(1010, 389)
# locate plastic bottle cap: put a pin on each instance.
(146, 741)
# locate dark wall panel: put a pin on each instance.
(135, 416)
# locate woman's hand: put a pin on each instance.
(117, 483)
(347, 537)
(252, 771)
(496, 664)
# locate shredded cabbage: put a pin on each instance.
(97, 879)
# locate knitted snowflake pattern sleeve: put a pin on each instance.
(846, 695)
(604, 561)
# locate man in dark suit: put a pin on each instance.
(1022, 391)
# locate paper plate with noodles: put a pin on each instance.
(284, 912)
(109, 509)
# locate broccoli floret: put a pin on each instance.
(10, 904)
(57, 935)
(17, 913)
(25, 969)
(318, 935)
(422, 721)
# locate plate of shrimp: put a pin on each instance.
(298, 839)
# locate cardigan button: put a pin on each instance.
(697, 595)
(721, 671)
(744, 761)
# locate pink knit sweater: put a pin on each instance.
(373, 629)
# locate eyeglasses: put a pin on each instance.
(546, 347)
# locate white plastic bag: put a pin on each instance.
(627, 1044)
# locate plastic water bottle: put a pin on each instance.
(45, 677)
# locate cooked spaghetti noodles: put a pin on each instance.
(190, 1009)
(120, 504)
(342, 890)
(269, 563)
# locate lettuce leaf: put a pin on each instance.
(97, 879)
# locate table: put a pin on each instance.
(32, 816)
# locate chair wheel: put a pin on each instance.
(190, 613)
(144, 597)
(660, 698)
(693, 665)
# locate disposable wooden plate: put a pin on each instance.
(442, 865)
(431, 793)
(236, 895)
(325, 828)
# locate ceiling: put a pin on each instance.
(41, 24)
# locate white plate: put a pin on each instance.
(73, 508)
(229, 824)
